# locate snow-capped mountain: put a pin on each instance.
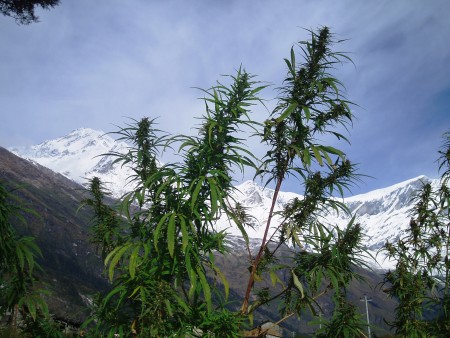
(78, 157)
(384, 214)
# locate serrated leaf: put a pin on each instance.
(158, 228)
(213, 194)
(30, 259)
(115, 260)
(331, 82)
(273, 277)
(289, 65)
(196, 192)
(298, 284)
(31, 308)
(257, 89)
(216, 101)
(193, 286)
(135, 291)
(332, 150)
(225, 283)
(307, 112)
(184, 233)
(20, 256)
(296, 239)
(205, 287)
(306, 157)
(287, 112)
(317, 155)
(293, 59)
(111, 254)
(171, 234)
(133, 261)
(192, 275)
(168, 307)
(112, 293)
(212, 125)
(240, 227)
(327, 157)
(333, 279)
(182, 303)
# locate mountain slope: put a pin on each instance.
(72, 269)
(384, 214)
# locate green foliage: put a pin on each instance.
(23, 10)
(169, 247)
(346, 322)
(331, 258)
(311, 105)
(18, 293)
(106, 230)
(160, 256)
(221, 323)
(41, 327)
(421, 279)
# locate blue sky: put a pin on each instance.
(91, 64)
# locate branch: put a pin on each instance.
(257, 260)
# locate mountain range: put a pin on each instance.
(384, 213)
(50, 175)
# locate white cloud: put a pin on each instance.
(91, 64)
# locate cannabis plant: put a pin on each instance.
(162, 261)
(18, 292)
(420, 281)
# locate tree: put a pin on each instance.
(421, 279)
(165, 278)
(23, 10)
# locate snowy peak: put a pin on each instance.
(414, 183)
(384, 213)
(391, 198)
(78, 157)
(251, 194)
(78, 140)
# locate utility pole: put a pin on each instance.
(365, 299)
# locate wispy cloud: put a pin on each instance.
(91, 64)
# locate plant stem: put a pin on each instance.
(255, 263)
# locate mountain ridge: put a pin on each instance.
(383, 213)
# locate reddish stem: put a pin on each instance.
(257, 259)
